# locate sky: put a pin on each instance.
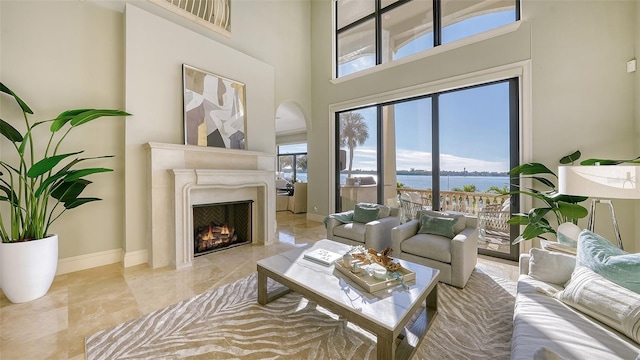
(474, 123)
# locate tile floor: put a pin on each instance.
(84, 302)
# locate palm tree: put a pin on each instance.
(353, 132)
(466, 188)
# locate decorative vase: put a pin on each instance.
(28, 268)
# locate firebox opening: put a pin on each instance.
(221, 225)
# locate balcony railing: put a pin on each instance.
(467, 202)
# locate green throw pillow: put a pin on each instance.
(606, 259)
(437, 226)
(365, 214)
(458, 226)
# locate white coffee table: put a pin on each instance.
(385, 313)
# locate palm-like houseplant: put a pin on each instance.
(39, 188)
(564, 208)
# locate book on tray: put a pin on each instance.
(322, 256)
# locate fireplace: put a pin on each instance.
(221, 225)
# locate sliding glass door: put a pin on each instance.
(448, 151)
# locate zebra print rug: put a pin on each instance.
(227, 323)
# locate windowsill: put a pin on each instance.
(433, 51)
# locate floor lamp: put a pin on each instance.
(598, 182)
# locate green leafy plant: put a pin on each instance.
(564, 208)
(30, 185)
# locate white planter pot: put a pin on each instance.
(28, 268)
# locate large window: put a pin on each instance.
(447, 151)
(373, 32)
(292, 162)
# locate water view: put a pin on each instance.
(423, 182)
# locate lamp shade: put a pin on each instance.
(602, 181)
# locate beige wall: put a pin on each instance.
(155, 52)
(636, 98)
(581, 96)
(54, 51)
(63, 55)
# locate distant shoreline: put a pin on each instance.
(429, 173)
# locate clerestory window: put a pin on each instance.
(373, 32)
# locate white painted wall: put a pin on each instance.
(155, 52)
(582, 97)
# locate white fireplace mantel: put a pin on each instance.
(200, 186)
(181, 173)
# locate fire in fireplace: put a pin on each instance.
(222, 225)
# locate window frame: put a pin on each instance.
(377, 17)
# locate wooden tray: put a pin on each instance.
(371, 284)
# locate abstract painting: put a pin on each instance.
(214, 110)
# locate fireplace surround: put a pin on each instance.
(182, 176)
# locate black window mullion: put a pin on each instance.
(437, 23)
(435, 151)
(378, 35)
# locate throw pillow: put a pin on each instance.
(437, 226)
(365, 214)
(458, 226)
(606, 259)
(603, 300)
(551, 267)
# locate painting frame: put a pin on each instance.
(214, 110)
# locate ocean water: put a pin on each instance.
(423, 182)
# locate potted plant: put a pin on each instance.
(39, 188)
(564, 208)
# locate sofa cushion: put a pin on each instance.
(543, 321)
(429, 246)
(549, 266)
(353, 231)
(614, 305)
(365, 214)
(437, 226)
(461, 220)
(606, 259)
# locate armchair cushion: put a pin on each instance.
(354, 231)
(364, 214)
(434, 247)
(437, 226)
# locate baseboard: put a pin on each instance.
(315, 217)
(134, 258)
(88, 261)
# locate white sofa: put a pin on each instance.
(546, 328)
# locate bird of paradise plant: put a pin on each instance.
(40, 188)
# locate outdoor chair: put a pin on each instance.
(410, 206)
(492, 222)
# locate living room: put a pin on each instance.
(571, 57)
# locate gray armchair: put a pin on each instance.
(455, 258)
(375, 234)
